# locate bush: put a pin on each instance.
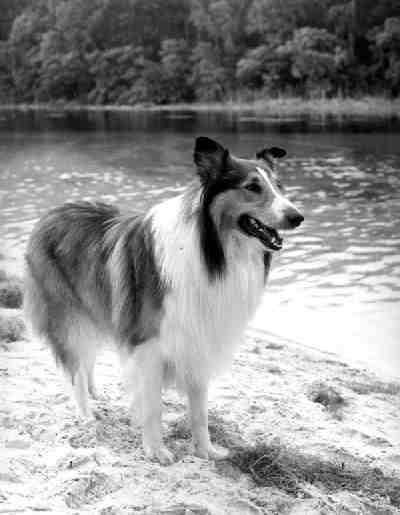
(11, 293)
(12, 328)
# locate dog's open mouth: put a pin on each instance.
(268, 236)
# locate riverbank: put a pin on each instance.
(307, 434)
(282, 107)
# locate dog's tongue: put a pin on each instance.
(268, 236)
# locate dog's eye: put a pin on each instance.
(254, 187)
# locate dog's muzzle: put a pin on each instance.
(268, 236)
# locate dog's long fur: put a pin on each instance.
(174, 288)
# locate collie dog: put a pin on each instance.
(174, 288)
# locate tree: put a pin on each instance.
(387, 44)
(6, 81)
(208, 76)
(25, 38)
(10, 9)
(312, 55)
(175, 65)
(221, 24)
(129, 51)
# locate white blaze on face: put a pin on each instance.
(280, 204)
(267, 180)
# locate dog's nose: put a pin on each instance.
(295, 219)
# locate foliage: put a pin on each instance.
(176, 69)
(312, 56)
(386, 43)
(11, 293)
(12, 329)
(208, 76)
(168, 51)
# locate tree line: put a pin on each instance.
(168, 51)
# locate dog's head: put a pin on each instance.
(245, 194)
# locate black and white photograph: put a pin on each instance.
(200, 257)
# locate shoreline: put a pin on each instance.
(320, 353)
(283, 107)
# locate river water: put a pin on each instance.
(336, 284)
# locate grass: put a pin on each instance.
(294, 106)
(88, 488)
(273, 346)
(277, 465)
(375, 387)
(10, 292)
(328, 397)
(281, 107)
(12, 329)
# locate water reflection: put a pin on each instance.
(184, 120)
(338, 278)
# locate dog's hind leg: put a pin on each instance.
(83, 345)
(73, 339)
(74, 366)
(144, 370)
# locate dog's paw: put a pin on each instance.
(160, 454)
(94, 393)
(217, 454)
(211, 453)
(85, 416)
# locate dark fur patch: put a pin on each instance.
(86, 259)
(210, 241)
(267, 264)
(210, 158)
(139, 290)
(268, 154)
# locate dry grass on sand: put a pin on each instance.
(276, 465)
(12, 326)
(10, 293)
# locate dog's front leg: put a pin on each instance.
(203, 448)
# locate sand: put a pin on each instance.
(307, 434)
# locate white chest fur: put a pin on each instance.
(203, 320)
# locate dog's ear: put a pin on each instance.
(273, 152)
(210, 158)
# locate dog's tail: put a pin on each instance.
(47, 298)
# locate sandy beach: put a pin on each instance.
(307, 434)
